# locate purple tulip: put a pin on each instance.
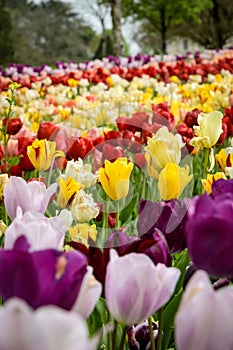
(135, 288)
(47, 328)
(46, 277)
(209, 234)
(204, 319)
(169, 217)
(27, 195)
(222, 186)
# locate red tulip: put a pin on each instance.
(12, 125)
(47, 130)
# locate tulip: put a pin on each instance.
(169, 217)
(42, 152)
(208, 130)
(114, 178)
(211, 178)
(173, 180)
(68, 188)
(80, 172)
(208, 233)
(41, 232)
(28, 196)
(82, 233)
(204, 319)
(139, 336)
(162, 115)
(47, 277)
(221, 187)
(163, 147)
(83, 207)
(3, 181)
(47, 130)
(78, 147)
(135, 288)
(46, 328)
(12, 125)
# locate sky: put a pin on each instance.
(83, 8)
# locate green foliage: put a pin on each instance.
(49, 31)
(162, 16)
(6, 46)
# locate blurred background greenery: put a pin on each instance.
(37, 32)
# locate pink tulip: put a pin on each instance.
(41, 232)
(89, 294)
(28, 196)
(47, 328)
(135, 288)
(204, 320)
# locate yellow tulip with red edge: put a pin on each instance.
(42, 152)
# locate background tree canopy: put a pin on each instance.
(51, 30)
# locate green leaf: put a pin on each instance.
(169, 316)
(182, 262)
(125, 214)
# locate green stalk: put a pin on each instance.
(122, 344)
(114, 335)
(152, 341)
(117, 214)
(160, 333)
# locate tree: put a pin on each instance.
(6, 46)
(215, 26)
(164, 15)
(49, 31)
(118, 40)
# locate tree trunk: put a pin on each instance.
(217, 25)
(118, 40)
(163, 30)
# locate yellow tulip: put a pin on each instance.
(224, 158)
(208, 130)
(211, 178)
(42, 152)
(163, 147)
(114, 178)
(173, 180)
(82, 232)
(68, 188)
(3, 181)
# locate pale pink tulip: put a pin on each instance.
(41, 232)
(135, 288)
(47, 328)
(89, 294)
(28, 196)
(204, 320)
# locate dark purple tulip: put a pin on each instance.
(139, 336)
(209, 234)
(153, 245)
(46, 277)
(169, 217)
(119, 240)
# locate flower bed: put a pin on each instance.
(116, 204)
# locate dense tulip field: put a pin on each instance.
(116, 191)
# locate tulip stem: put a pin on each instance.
(152, 341)
(160, 333)
(114, 335)
(117, 214)
(123, 337)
